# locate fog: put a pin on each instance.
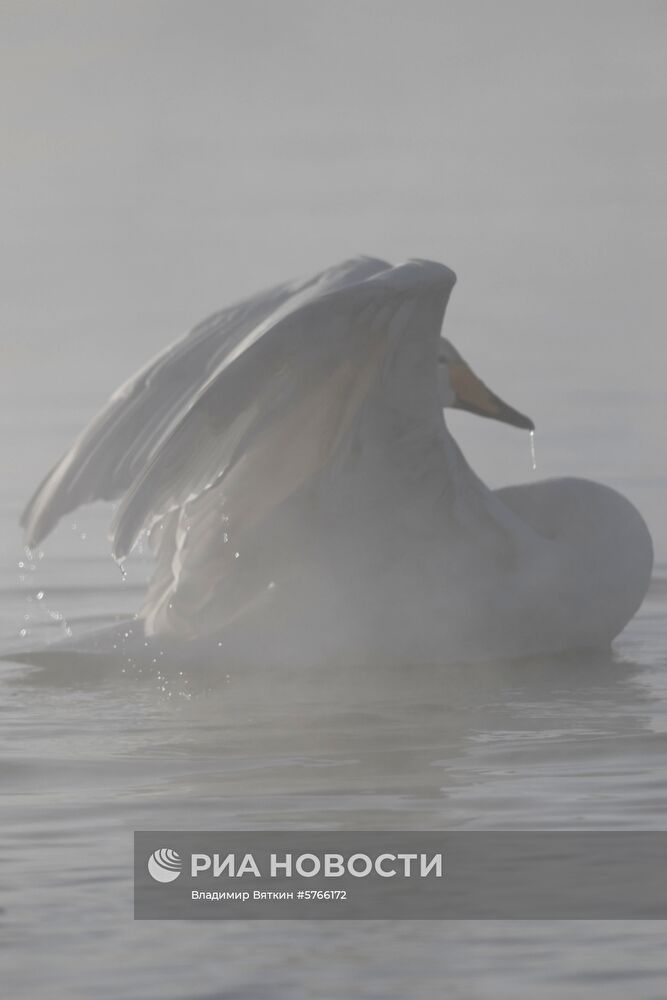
(163, 159)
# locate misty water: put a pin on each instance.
(518, 145)
(89, 753)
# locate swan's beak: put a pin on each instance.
(472, 395)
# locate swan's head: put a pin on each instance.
(461, 389)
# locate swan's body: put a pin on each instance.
(305, 500)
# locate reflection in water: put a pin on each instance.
(90, 753)
(92, 749)
(316, 748)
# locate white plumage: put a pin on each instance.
(305, 500)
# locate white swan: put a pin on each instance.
(305, 500)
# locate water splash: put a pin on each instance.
(59, 618)
(120, 563)
(532, 451)
(26, 568)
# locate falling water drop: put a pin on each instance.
(532, 451)
(120, 563)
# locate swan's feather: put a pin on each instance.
(112, 451)
(277, 407)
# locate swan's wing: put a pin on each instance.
(112, 451)
(107, 455)
(276, 410)
(226, 494)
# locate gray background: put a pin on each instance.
(164, 158)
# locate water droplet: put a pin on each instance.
(120, 563)
(23, 632)
(40, 595)
(532, 450)
(236, 555)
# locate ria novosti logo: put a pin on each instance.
(165, 865)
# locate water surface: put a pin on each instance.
(162, 164)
